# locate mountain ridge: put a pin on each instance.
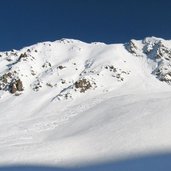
(68, 103)
(43, 54)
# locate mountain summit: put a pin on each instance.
(71, 103)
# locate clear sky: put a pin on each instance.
(25, 22)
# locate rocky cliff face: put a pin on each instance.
(156, 49)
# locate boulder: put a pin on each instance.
(13, 88)
(19, 85)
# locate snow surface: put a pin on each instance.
(121, 122)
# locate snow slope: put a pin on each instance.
(71, 104)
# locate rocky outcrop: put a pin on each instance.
(15, 86)
(9, 82)
(158, 51)
(132, 47)
(83, 85)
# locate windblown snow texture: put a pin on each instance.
(71, 104)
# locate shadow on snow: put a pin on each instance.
(155, 162)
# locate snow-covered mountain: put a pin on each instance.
(72, 104)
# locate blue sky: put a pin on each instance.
(25, 22)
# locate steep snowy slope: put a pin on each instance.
(72, 104)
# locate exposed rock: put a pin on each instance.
(155, 49)
(23, 55)
(36, 85)
(33, 72)
(61, 67)
(9, 74)
(19, 85)
(83, 85)
(46, 65)
(13, 88)
(49, 85)
(28, 50)
(2, 86)
(4, 78)
(63, 81)
(131, 47)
